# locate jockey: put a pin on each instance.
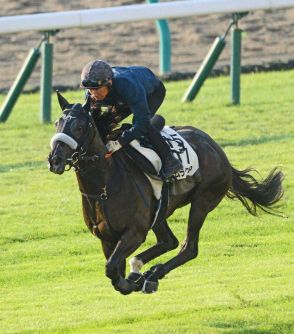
(137, 89)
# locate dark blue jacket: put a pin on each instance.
(132, 86)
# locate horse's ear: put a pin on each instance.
(62, 101)
(87, 104)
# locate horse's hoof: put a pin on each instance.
(137, 280)
(123, 286)
(150, 286)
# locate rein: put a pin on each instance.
(76, 158)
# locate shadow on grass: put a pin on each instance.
(23, 165)
(255, 141)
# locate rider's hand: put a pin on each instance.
(113, 146)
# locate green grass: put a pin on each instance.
(52, 269)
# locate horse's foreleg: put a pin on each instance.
(108, 249)
(166, 241)
(127, 244)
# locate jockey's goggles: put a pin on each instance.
(94, 84)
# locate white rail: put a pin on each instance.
(92, 17)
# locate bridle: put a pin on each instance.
(80, 146)
(77, 157)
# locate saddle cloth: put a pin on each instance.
(182, 150)
(179, 148)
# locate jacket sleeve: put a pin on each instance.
(134, 94)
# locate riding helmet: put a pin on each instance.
(95, 74)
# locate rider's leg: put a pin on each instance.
(171, 165)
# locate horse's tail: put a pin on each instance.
(253, 194)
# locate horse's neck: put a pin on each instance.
(93, 177)
(109, 173)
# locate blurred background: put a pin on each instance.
(268, 42)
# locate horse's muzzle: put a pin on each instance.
(58, 157)
(56, 164)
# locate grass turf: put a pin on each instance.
(52, 269)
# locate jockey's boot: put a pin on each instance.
(171, 165)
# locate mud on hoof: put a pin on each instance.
(150, 286)
(137, 280)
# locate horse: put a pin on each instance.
(119, 205)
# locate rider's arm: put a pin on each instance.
(134, 94)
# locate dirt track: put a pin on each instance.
(268, 37)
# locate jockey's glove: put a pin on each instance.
(113, 146)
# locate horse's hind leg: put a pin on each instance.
(166, 241)
(198, 212)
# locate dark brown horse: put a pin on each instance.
(119, 205)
